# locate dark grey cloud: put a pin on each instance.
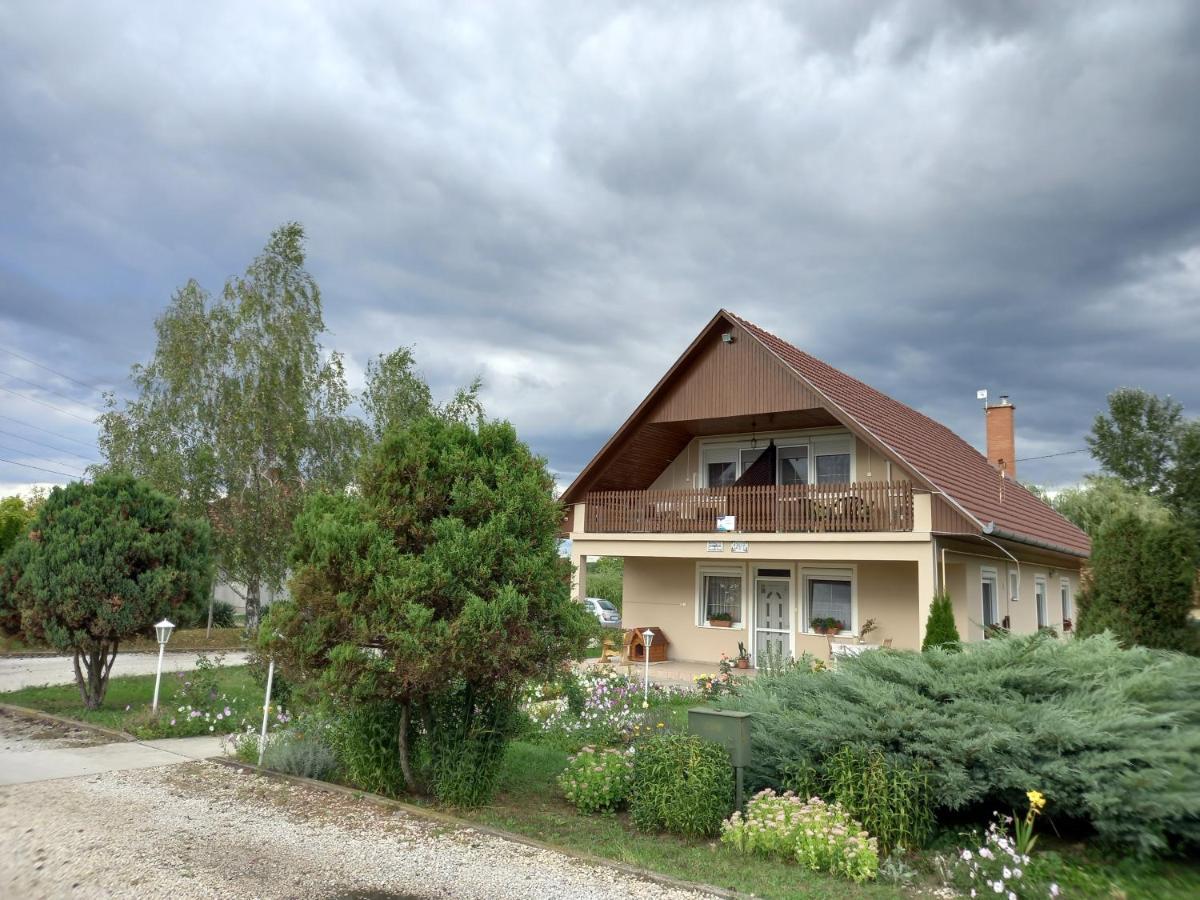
(933, 196)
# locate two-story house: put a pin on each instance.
(757, 489)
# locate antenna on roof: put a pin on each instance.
(982, 395)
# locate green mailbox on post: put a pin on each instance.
(728, 728)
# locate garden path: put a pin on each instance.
(17, 672)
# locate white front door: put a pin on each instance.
(773, 617)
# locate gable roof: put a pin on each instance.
(941, 460)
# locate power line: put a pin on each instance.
(22, 453)
(42, 387)
(48, 369)
(13, 462)
(44, 403)
(22, 437)
(1052, 455)
(49, 432)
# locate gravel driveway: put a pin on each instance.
(205, 830)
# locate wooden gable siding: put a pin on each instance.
(948, 520)
(738, 379)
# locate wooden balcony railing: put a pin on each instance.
(862, 506)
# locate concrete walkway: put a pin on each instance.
(27, 671)
(28, 754)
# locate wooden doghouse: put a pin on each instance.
(635, 645)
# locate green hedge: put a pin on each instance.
(1110, 736)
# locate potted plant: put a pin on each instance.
(867, 627)
(827, 625)
(721, 620)
(742, 660)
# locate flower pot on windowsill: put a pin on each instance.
(720, 623)
(742, 662)
(828, 628)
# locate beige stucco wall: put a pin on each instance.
(964, 580)
(684, 471)
(664, 592)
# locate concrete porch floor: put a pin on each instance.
(673, 672)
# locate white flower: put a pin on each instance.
(998, 887)
(1007, 872)
(1053, 889)
(966, 854)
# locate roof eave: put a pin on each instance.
(993, 530)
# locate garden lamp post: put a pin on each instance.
(262, 738)
(163, 630)
(648, 639)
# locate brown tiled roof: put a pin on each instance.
(948, 462)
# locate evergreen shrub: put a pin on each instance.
(1109, 735)
(940, 630)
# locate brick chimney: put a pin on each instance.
(1001, 440)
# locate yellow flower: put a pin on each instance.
(1036, 800)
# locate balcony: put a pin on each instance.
(867, 506)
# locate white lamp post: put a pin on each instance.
(163, 630)
(262, 737)
(647, 639)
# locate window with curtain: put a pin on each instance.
(1039, 591)
(721, 593)
(833, 468)
(722, 474)
(793, 465)
(1064, 591)
(1014, 586)
(829, 598)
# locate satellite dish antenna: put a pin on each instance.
(981, 395)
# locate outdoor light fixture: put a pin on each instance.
(648, 638)
(163, 629)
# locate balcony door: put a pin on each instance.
(772, 613)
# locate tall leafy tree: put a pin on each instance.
(1103, 498)
(436, 586)
(240, 412)
(102, 562)
(1138, 439)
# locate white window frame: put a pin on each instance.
(1066, 600)
(701, 619)
(808, 460)
(839, 573)
(728, 449)
(718, 454)
(987, 573)
(1041, 601)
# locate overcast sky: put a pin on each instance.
(934, 197)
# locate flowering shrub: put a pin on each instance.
(723, 682)
(999, 868)
(819, 835)
(600, 706)
(193, 705)
(597, 780)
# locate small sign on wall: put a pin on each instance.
(716, 546)
(726, 523)
(739, 547)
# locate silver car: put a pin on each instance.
(605, 612)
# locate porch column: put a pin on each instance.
(579, 576)
(925, 587)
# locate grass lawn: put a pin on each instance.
(134, 691)
(529, 803)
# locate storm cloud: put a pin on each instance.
(934, 197)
